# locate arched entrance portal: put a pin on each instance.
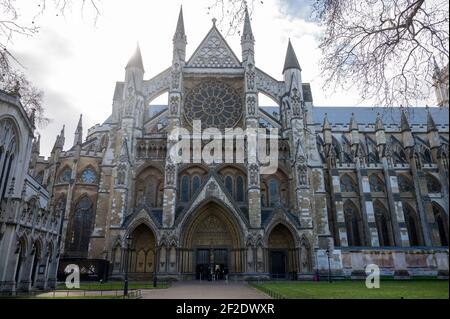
(142, 258)
(282, 253)
(211, 244)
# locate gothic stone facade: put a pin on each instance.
(29, 231)
(365, 192)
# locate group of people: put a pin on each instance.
(213, 272)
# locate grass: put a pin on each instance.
(115, 285)
(422, 289)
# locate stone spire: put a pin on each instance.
(379, 123)
(180, 39)
(431, 126)
(379, 132)
(327, 136)
(404, 125)
(354, 134)
(136, 60)
(247, 38)
(291, 61)
(433, 132)
(78, 140)
(407, 137)
(37, 145)
(60, 140)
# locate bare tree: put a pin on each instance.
(231, 14)
(385, 48)
(12, 78)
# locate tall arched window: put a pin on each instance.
(229, 184)
(405, 184)
(442, 224)
(376, 184)
(383, 225)
(348, 185)
(65, 176)
(88, 176)
(81, 227)
(274, 192)
(8, 149)
(412, 225)
(433, 185)
(184, 192)
(195, 184)
(240, 194)
(353, 224)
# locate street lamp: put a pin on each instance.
(329, 266)
(128, 244)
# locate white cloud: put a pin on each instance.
(77, 63)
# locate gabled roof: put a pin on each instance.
(214, 52)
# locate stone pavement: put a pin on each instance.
(205, 290)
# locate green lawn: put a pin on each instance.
(117, 285)
(432, 289)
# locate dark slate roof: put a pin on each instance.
(390, 116)
(291, 61)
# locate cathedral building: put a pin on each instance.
(353, 186)
(29, 229)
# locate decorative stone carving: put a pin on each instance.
(174, 105)
(251, 105)
(214, 53)
(130, 102)
(215, 103)
(170, 174)
(302, 171)
(296, 103)
(269, 85)
(176, 76)
(254, 174)
(251, 75)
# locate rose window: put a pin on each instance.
(214, 103)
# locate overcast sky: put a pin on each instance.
(77, 63)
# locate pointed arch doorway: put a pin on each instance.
(211, 244)
(282, 253)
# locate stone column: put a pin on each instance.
(367, 211)
(399, 229)
(171, 168)
(338, 211)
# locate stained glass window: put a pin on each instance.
(195, 184)
(229, 184)
(348, 185)
(274, 194)
(411, 225)
(65, 176)
(240, 194)
(433, 185)
(184, 194)
(215, 103)
(405, 184)
(82, 223)
(352, 223)
(376, 184)
(88, 176)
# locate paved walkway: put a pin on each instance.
(205, 290)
